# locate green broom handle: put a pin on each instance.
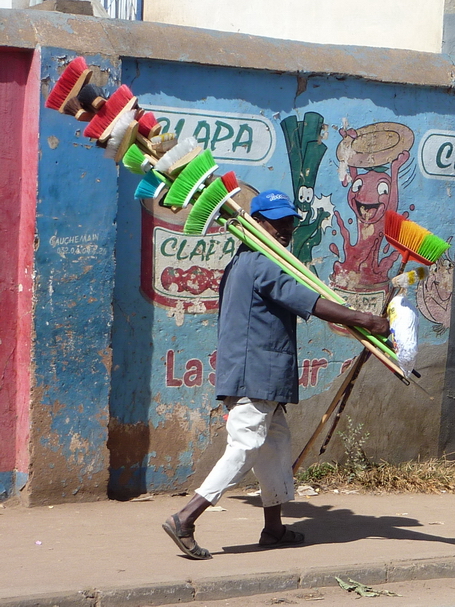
(245, 238)
(249, 223)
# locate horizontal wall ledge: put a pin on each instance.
(111, 37)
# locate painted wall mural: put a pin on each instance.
(128, 381)
(305, 150)
(370, 158)
(434, 294)
(346, 151)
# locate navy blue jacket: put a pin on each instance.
(257, 345)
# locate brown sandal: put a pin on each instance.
(176, 532)
(288, 538)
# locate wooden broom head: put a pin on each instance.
(109, 112)
(92, 97)
(146, 123)
(73, 78)
(73, 108)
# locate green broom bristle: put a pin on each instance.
(149, 187)
(135, 161)
(432, 247)
(190, 179)
(167, 182)
(205, 208)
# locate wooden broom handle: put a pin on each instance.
(340, 392)
(287, 266)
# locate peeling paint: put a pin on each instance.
(53, 142)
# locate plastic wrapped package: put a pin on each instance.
(404, 328)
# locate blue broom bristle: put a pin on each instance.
(148, 186)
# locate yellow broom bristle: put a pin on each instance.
(412, 235)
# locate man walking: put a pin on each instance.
(257, 374)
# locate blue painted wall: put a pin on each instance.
(162, 400)
(74, 266)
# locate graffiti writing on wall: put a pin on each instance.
(437, 155)
(76, 244)
(192, 371)
(231, 137)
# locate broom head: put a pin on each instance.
(413, 241)
(190, 180)
(100, 127)
(206, 208)
(135, 161)
(230, 183)
(73, 108)
(147, 124)
(149, 186)
(92, 97)
(73, 78)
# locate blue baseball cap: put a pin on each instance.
(273, 204)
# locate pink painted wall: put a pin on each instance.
(19, 115)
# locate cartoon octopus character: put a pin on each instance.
(362, 276)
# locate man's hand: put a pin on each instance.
(338, 314)
(377, 325)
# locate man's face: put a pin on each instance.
(280, 229)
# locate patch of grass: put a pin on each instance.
(435, 475)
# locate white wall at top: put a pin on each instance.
(402, 24)
(6, 4)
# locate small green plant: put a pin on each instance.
(436, 475)
(317, 472)
(354, 438)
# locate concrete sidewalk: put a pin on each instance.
(116, 553)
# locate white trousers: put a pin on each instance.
(258, 440)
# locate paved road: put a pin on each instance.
(118, 553)
(417, 593)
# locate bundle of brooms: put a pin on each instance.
(187, 173)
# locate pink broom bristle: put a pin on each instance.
(392, 224)
(108, 112)
(230, 181)
(146, 123)
(65, 83)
